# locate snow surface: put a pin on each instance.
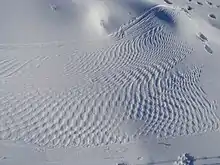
(109, 82)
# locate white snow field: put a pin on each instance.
(109, 82)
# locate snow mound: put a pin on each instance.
(82, 93)
(38, 21)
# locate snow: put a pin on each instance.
(120, 82)
(184, 159)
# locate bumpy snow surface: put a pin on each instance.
(78, 73)
(184, 159)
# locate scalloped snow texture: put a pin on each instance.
(134, 78)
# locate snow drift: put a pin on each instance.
(76, 73)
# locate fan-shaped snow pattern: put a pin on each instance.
(132, 79)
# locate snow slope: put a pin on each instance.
(117, 81)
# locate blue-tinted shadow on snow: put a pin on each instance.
(166, 16)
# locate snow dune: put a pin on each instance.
(94, 73)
